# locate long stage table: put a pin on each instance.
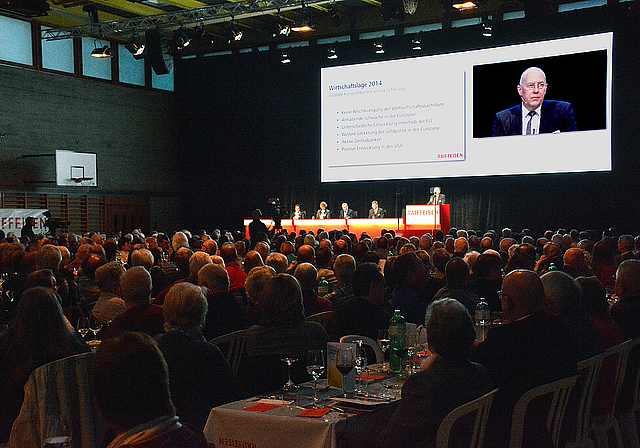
(438, 219)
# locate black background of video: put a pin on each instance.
(580, 79)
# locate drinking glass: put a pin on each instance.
(383, 342)
(315, 368)
(83, 326)
(360, 364)
(95, 326)
(345, 359)
(289, 386)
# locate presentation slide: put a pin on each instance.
(461, 114)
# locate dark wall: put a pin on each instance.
(132, 130)
(254, 125)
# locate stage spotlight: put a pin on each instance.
(284, 58)
(135, 47)
(416, 44)
(378, 45)
(235, 33)
(464, 6)
(101, 52)
(282, 29)
(303, 27)
(487, 30)
(331, 53)
(182, 39)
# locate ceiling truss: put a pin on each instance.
(220, 13)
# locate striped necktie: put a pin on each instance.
(530, 115)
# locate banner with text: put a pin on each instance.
(423, 214)
(12, 220)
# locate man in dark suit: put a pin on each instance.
(534, 115)
(436, 198)
(346, 212)
(529, 350)
(377, 212)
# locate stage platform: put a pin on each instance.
(373, 227)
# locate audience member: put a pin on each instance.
(140, 315)
(563, 298)
(199, 376)
(307, 276)
(224, 314)
(626, 312)
(529, 350)
(457, 276)
(237, 276)
(344, 268)
(131, 383)
(448, 380)
(409, 296)
(38, 334)
(283, 332)
(109, 303)
(369, 299)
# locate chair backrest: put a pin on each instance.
(235, 344)
(619, 355)
(322, 318)
(479, 406)
(60, 391)
(629, 398)
(365, 341)
(559, 391)
(589, 371)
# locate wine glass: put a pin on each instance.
(360, 364)
(345, 359)
(289, 386)
(383, 342)
(315, 368)
(95, 326)
(83, 326)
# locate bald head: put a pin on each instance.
(523, 294)
(306, 254)
(628, 279)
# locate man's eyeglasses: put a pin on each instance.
(501, 295)
(533, 85)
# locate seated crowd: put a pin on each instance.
(161, 299)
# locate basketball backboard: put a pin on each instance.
(76, 169)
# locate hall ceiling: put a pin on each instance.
(257, 19)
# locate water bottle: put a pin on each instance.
(483, 319)
(397, 330)
(323, 287)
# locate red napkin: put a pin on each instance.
(313, 412)
(371, 377)
(261, 407)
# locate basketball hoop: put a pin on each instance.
(84, 181)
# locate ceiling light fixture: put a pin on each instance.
(282, 29)
(303, 28)
(464, 6)
(101, 52)
(235, 33)
(136, 47)
(182, 39)
(379, 46)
